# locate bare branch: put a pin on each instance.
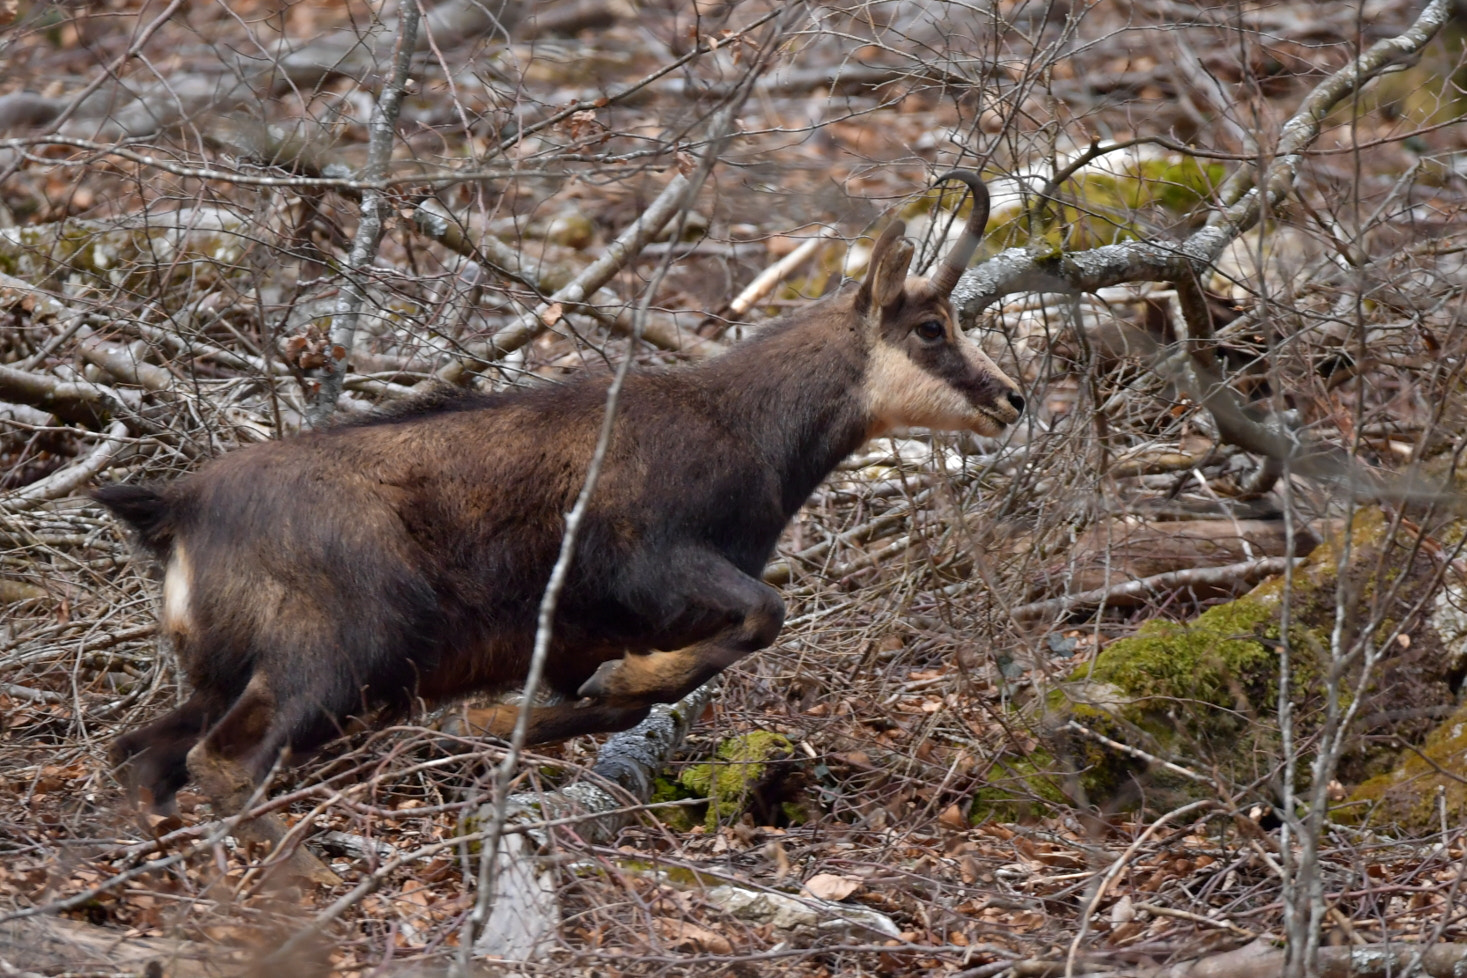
(1262, 960)
(1245, 572)
(576, 292)
(383, 127)
(65, 481)
(435, 221)
(77, 402)
(1015, 270)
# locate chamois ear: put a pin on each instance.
(886, 275)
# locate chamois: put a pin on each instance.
(358, 570)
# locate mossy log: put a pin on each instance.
(733, 777)
(526, 911)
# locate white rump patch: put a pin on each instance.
(177, 594)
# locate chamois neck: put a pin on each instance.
(795, 394)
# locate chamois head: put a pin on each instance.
(923, 369)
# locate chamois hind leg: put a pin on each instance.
(736, 613)
(152, 759)
(235, 755)
(547, 723)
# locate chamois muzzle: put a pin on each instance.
(952, 267)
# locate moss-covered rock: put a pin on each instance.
(666, 789)
(741, 769)
(1424, 779)
(1020, 789)
(1429, 783)
(1204, 693)
(1121, 197)
(1204, 690)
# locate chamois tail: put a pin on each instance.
(144, 509)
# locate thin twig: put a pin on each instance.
(435, 221)
(766, 280)
(616, 257)
(1115, 870)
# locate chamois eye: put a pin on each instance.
(931, 331)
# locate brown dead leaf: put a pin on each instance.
(161, 825)
(1127, 931)
(829, 886)
(682, 934)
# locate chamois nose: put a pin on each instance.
(1017, 400)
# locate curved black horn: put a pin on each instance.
(952, 267)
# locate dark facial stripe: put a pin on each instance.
(946, 362)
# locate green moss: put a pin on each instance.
(947, 196)
(1205, 692)
(738, 767)
(796, 812)
(1099, 208)
(1428, 92)
(1019, 790)
(616, 867)
(666, 789)
(1180, 185)
(1207, 682)
(1412, 796)
(954, 201)
(1203, 660)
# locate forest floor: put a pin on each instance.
(898, 751)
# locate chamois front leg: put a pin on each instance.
(738, 615)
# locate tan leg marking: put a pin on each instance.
(652, 677)
(547, 723)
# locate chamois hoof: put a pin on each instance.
(306, 866)
(300, 864)
(602, 683)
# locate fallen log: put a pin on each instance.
(1112, 553)
(52, 945)
(1260, 959)
(525, 912)
(1211, 578)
